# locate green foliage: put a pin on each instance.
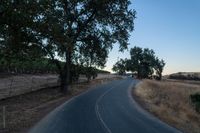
(72, 30)
(44, 66)
(40, 65)
(159, 66)
(143, 62)
(90, 73)
(15, 33)
(195, 99)
(120, 67)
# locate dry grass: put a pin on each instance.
(170, 102)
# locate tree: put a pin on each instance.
(120, 67)
(16, 18)
(143, 62)
(59, 28)
(159, 66)
(69, 24)
(147, 63)
(92, 55)
(134, 64)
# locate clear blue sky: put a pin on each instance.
(171, 28)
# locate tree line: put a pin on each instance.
(143, 63)
(45, 66)
(68, 32)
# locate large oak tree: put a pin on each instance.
(68, 29)
(143, 62)
(76, 23)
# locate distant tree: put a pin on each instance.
(143, 62)
(159, 66)
(91, 73)
(120, 67)
(147, 63)
(92, 55)
(134, 64)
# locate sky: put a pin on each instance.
(171, 28)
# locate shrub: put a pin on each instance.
(195, 99)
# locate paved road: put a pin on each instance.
(107, 108)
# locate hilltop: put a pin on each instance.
(185, 76)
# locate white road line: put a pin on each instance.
(61, 108)
(97, 109)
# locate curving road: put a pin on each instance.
(107, 108)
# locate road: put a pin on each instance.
(108, 108)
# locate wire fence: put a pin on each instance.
(21, 84)
(16, 85)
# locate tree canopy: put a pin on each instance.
(75, 31)
(143, 62)
(120, 67)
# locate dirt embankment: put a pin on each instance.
(13, 85)
(23, 111)
(170, 101)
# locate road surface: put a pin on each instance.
(107, 108)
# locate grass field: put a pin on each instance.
(170, 101)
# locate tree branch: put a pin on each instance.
(52, 57)
(84, 26)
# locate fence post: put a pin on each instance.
(32, 84)
(4, 117)
(11, 86)
(47, 82)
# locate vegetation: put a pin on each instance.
(195, 99)
(79, 33)
(143, 62)
(185, 76)
(120, 67)
(171, 102)
(26, 66)
(43, 66)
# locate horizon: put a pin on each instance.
(170, 28)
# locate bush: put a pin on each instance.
(195, 99)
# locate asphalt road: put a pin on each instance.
(107, 108)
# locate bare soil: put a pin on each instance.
(24, 111)
(170, 101)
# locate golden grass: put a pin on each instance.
(170, 102)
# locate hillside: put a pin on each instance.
(171, 102)
(185, 76)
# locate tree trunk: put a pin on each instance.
(160, 76)
(63, 83)
(88, 78)
(138, 72)
(65, 74)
